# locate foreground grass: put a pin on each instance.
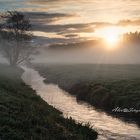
(25, 116)
(103, 86)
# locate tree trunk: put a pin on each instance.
(13, 63)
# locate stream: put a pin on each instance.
(109, 128)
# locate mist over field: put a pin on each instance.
(93, 55)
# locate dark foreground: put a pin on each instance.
(25, 116)
(112, 88)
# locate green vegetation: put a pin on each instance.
(109, 96)
(103, 86)
(25, 116)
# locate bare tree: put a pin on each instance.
(15, 37)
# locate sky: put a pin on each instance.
(92, 14)
(64, 21)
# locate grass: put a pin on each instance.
(25, 116)
(103, 86)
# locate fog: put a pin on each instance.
(3, 60)
(95, 55)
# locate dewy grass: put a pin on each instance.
(103, 86)
(25, 116)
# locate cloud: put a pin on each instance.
(43, 1)
(44, 42)
(123, 22)
(43, 22)
(71, 35)
(129, 22)
(45, 18)
(64, 29)
(101, 24)
(74, 45)
(72, 30)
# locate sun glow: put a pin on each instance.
(110, 35)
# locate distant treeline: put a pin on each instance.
(82, 44)
(131, 37)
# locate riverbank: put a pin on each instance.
(24, 115)
(106, 87)
(120, 99)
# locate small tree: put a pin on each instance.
(16, 35)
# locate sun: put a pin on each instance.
(110, 35)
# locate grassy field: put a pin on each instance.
(103, 86)
(25, 116)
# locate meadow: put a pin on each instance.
(104, 86)
(25, 116)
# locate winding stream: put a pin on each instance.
(109, 128)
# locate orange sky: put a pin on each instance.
(125, 14)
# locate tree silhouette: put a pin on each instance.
(16, 36)
(132, 37)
